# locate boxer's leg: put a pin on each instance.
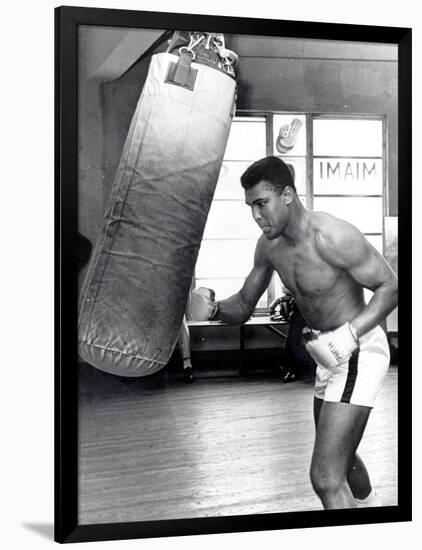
(184, 342)
(339, 430)
(358, 479)
(357, 476)
(344, 399)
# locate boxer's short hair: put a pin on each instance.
(271, 169)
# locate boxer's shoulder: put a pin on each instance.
(326, 224)
(267, 251)
(335, 238)
(263, 247)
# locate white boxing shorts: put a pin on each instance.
(358, 380)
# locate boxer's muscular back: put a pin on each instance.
(325, 293)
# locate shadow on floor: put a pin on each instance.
(46, 530)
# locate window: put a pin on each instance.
(227, 249)
(348, 175)
(338, 166)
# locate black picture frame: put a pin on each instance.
(67, 20)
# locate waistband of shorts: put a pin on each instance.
(376, 330)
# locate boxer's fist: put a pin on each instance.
(330, 349)
(202, 304)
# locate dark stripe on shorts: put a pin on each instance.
(351, 377)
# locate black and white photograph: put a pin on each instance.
(208, 291)
(237, 262)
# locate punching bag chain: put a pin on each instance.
(193, 43)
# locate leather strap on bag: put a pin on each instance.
(203, 48)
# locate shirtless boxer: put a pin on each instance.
(326, 263)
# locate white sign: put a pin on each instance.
(349, 176)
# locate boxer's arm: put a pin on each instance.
(237, 309)
(345, 247)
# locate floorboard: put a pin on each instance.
(159, 449)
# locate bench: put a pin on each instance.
(256, 321)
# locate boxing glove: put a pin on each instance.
(285, 304)
(202, 305)
(332, 348)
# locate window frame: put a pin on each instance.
(268, 115)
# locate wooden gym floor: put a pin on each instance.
(157, 448)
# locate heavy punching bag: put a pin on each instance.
(137, 284)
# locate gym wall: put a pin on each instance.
(273, 74)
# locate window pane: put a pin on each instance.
(340, 137)
(263, 301)
(376, 241)
(299, 168)
(364, 213)
(278, 286)
(289, 135)
(225, 258)
(230, 220)
(228, 185)
(367, 295)
(347, 176)
(391, 243)
(247, 140)
(230, 236)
